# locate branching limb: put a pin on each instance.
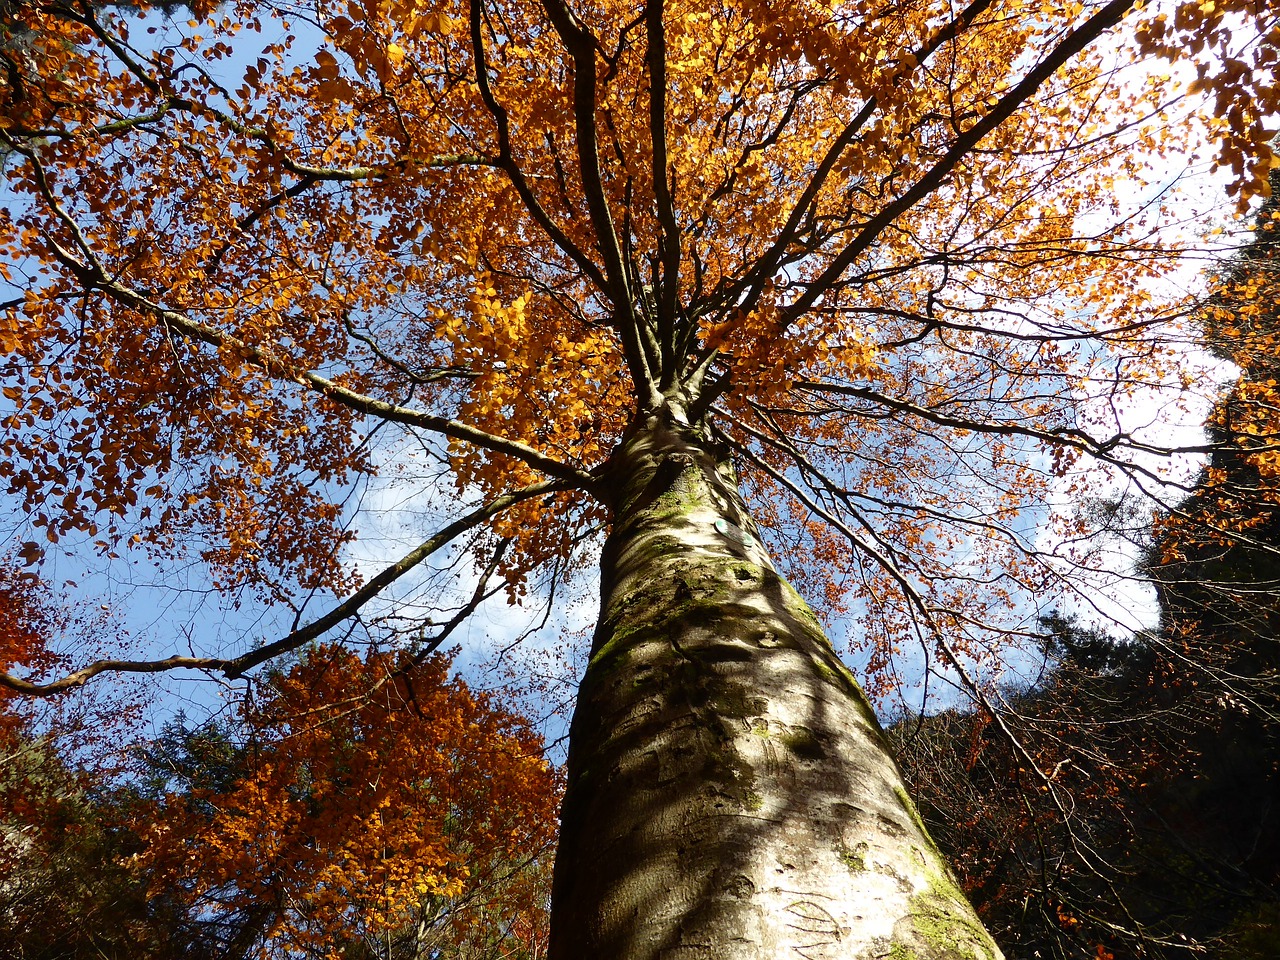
(93, 277)
(507, 162)
(1072, 437)
(237, 666)
(884, 559)
(1021, 92)
(479, 595)
(170, 101)
(753, 282)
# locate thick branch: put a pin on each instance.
(1019, 94)
(668, 288)
(507, 162)
(581, 46)
(238, 666)
(93, 277)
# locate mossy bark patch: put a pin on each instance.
(741, 803)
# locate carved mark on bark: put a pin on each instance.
(817, 932)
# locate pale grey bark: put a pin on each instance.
(731, 795)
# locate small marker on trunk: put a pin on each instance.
(733, 532)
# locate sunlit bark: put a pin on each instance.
(731, 794)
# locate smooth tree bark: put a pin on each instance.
(731, 795)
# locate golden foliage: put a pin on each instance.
(365, 790)
(883, 243)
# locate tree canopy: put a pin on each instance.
(882, 249)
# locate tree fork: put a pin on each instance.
(731, 795)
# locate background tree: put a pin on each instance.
(66, 890)
(356, 808)
(1156, 836)
(590, 260)
(99, 866)
(360, 808)
(1160, 837)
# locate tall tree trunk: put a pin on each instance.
(731, 795)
